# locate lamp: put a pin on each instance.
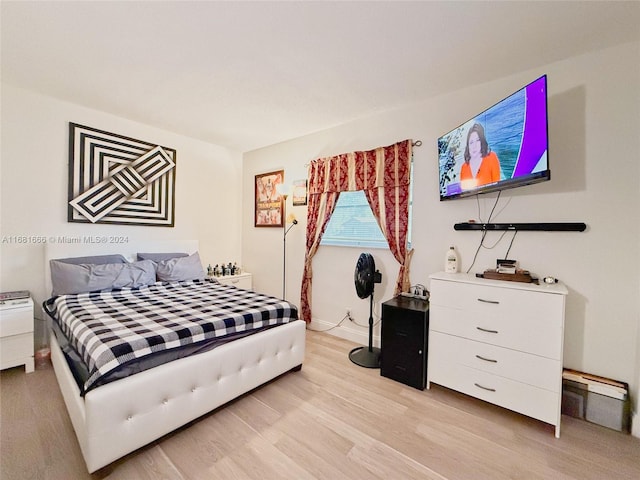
(283, 190)
(292, 220)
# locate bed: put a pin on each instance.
(116, 418)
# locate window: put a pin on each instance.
(353, 224)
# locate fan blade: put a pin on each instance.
(364, 275)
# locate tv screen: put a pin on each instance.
(503, 147)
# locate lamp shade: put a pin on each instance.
(291, 218)
(283, 189)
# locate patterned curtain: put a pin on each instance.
(384, 175)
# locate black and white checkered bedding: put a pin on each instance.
(111, 328)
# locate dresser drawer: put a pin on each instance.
(542, 336)
(240, 281)
(14, 321)
(485, 301)
(522, 367)
(526, 399)
(404, 331)
(16, 350)
(404, 365)
(518, 319)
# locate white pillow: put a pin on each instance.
(68, 278)
(180, 268)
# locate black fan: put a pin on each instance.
(365, 277)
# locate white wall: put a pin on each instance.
(34, 176)
(594, 113)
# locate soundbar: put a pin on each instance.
(546, 227)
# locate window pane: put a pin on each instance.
(353, 223)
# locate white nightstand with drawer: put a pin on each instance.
(16, 334)
(244, 280)
(499, 341)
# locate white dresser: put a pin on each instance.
(244, 280)
(499, 341)
(16, 334)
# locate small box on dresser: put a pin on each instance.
(599, 400)
(499, 341)
(16, 334)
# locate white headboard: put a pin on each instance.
(128, 250)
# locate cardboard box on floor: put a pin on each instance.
(596, 399)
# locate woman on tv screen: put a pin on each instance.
(481, 166)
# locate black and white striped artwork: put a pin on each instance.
(119, 180)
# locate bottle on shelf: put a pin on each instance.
(451, 261)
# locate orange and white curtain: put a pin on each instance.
(384, 175)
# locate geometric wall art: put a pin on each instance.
(119, 180)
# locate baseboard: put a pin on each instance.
(346, 331)
(635, 424)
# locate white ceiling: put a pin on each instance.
(249, 74)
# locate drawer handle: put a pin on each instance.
(485, 388)
(494, 302)
(486, 359)
(486, 330)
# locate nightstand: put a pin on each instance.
(405, 328)
(16, 334)
(244, 280)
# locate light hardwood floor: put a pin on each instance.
(332, 420)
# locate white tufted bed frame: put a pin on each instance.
(120, 417)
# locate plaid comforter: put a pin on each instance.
(111, 328)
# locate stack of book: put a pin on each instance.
(508, 270)
(506, 266)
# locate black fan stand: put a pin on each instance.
(363, 356)
(365, 278)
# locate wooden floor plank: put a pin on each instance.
(320, 459)
(331, 420)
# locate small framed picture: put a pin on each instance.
(269, 205)
(299, 192)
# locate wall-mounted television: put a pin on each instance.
(503, 147)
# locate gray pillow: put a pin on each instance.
(160, 257)
(180, 268)
(96, 259)
(67, 278)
